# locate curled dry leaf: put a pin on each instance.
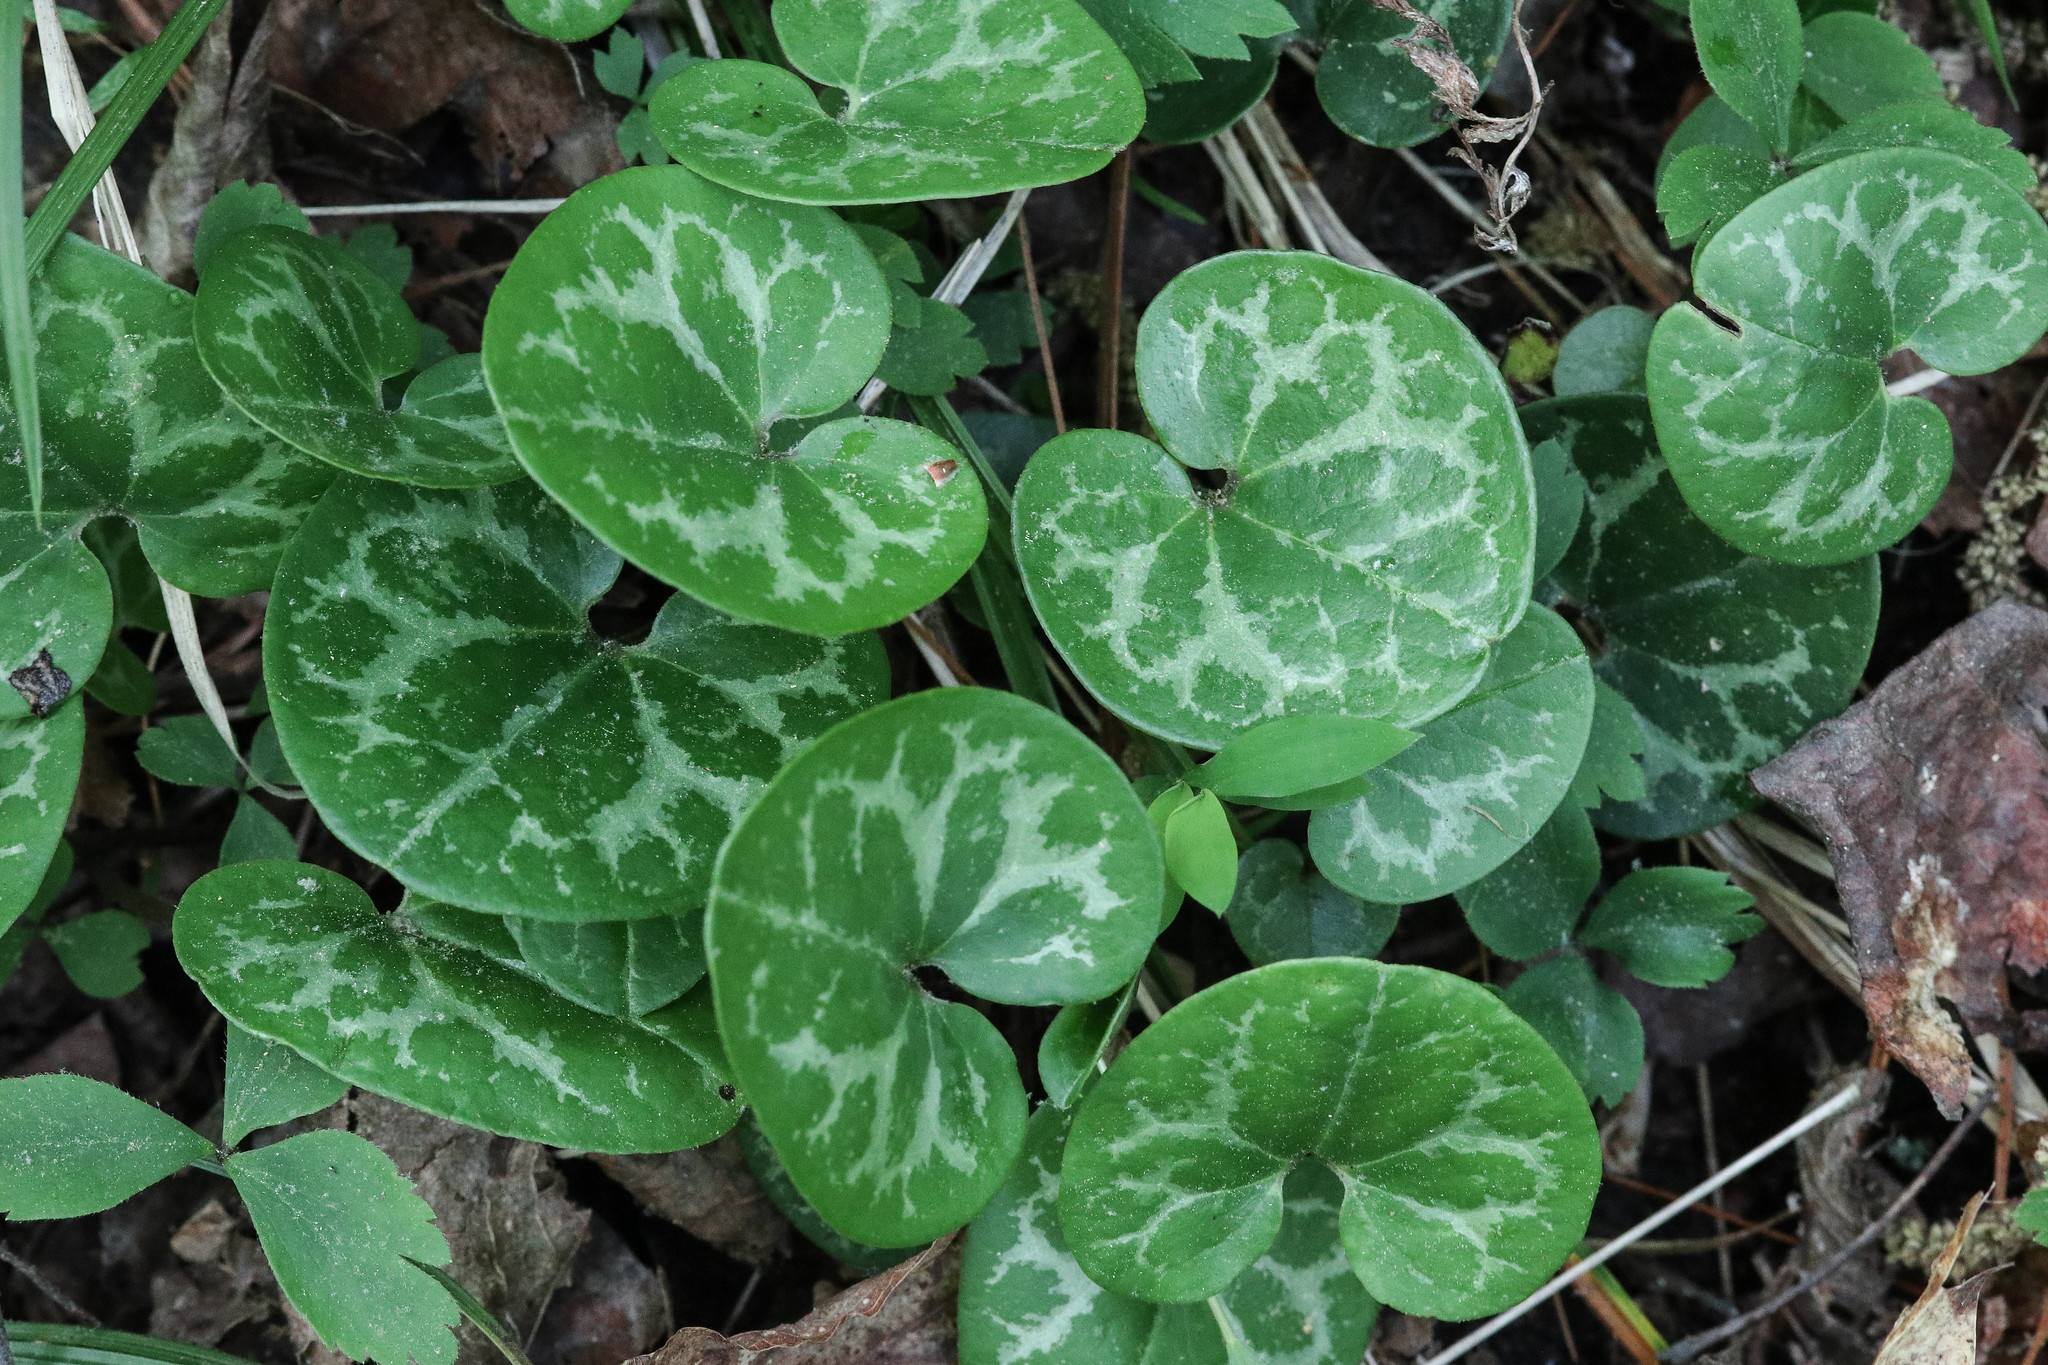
(1933, 797)
(903, 1316)
(1941, 1328)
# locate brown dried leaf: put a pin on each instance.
(1941, 1328)
(87, 1049)
(224, 1282)
(499, 1201)
(614, 1307)
(903, 1316)
(1933, 797)
(709, 1193)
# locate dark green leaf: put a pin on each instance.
(1590, 1025)
(39, 761)
(269, 1084)
(1195, 108)
(1858, 64)
(621, 66)
(1934, 124)
(255, 835)
(122, 682)
(376, 245)
(1612, 767)
(238, 206)
(1002, 324)
(1560, 502)
(1671, 925)
(266, 757)
(1712, 124)
(99, 951)
(71, 1146)
(1368, 86)
(1606, 350)
(1531, 903)
(339, 1224)
(1285, 909)
(1706, 187)
(929, 356)
(186, 750)
(963, 829)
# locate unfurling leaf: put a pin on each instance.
(1201, 850)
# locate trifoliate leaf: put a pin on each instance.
(1857, 64)
(1003, 324)
(1591, 1026)
(99, 951)
(1467, 1156)
(929, 356)
(1477, 785)
(186, 750)
(898, 261)
(1286, 909)
(963, 829)
(255, 834)
(1781, 434)
(1612, 767)
(1364, 462)
(861, 521)
(1726, 659)
(1531, 903)
(1708, 186)
(302, 334)
(621, 66)
(269, 1084)
(1752, 53)
(377, 246)
(1671, 926)
(71, 1146)
(297, 954)
(1201, 851)
(1712, 124)
(1029, 92)
(339, 1225)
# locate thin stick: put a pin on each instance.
(1698, 1344)
(702, 21)
(434, 206)
(1564, 1324)
(959, 281)
(1917, 382)
(1052, 380)
(1706, 1087)
(2040, 1335)
(1563, 16)
(1812, 1119)
(1477, 217)
(739, 1305)
(2001, 1161)
(1110, 329)
(1721, 1215)
(2020, 432)
(46, 1289)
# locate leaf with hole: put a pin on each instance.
(1344, 524)
(568, 21)
(964, 830)
(302, 334)
(1477, 785)
(39, 764)
(70, 1146)
(297, 954)
(1370, 88)
(268, 1084)
(56, 612)
(1024, 1299)
(99, 951)
(732, 315)
(1781, 433)
(440, 693)
(1286, 909)
(1671, 926)
(925, 99)
(1726, 658)
(1467, 1157)
(1752, 51)
(1531, 903)
(339, 1224)
(1591, 1026)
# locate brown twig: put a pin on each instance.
(1625, 1333)
(2040, 1336)
(1110, 327)
(1713, 1154)
(2001, 1161)
(1701, 1342)
(425, 288)
(46, 1289)
(1720, 1215)
(1563, 16)
(1571, 1343)
(1052, 380)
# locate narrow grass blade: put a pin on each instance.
(479, 1316)
(16, 321)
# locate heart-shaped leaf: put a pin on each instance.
(1024, 1299)
(39, 762)
(70, 1146)
(1591, 1026)
(340, 1225)
(926, 99)
(302, 335)
(446, 723)
(625, 968)
(1468, 1158)
(1531, 903)
(297, 954)
(1479, 782)
(1671, 926)
(568, 21)
(1286, 909)
(268, 1084)
(1726, 658)
(1369, 87)
(1753, 51)
(1781, 433)
(1364, 533)
(1299, 753)
(964, 830)
(645, 343)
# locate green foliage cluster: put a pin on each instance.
(657, 887)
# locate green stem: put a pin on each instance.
(154, 66)
(16, 318)
(994, 575)
(211, 1167)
